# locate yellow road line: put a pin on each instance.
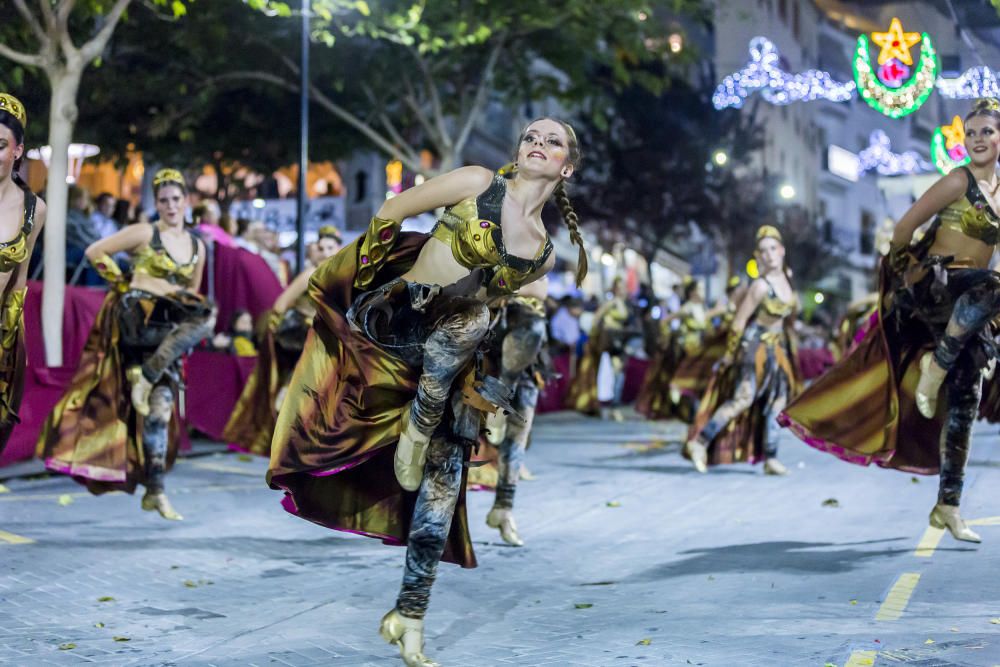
(899, 596)
(988, 521)
(861, 659)
(221, 467)
(11, 538)
(929, 542)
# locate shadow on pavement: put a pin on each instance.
(771, 557)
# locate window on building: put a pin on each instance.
(795, 19)
(783, 10)
(867, 241)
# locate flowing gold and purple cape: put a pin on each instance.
(863, 409)
(334, 439)
(695, 370)
(93, 434)
(742, 439)
(12, 363)
(251, 425)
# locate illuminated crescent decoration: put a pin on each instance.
(895, 102)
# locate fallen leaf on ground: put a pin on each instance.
(914, 480)
(854, 601)
(711, 578)
(190, 584)
(614, 503)
(175, 567)
(831, 502)
(4, 489)
(955, 630)
(66, 647)
(583, 605)
(995, 621)
(644, 642)
(119, 638)
(65, 499)
(244, 457)
(929, 641)
(98, 625)
(106, 598)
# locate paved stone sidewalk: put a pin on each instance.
(631, 559)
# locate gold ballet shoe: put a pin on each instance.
(774, 467)
(503, 519)
(617, 415)
(698, 454)
(411, 454)
(496, 427)
(408, 635)
(141, 389)
(947, 516)
(158, 501)
(929, 386)
(526, 475)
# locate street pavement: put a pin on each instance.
(631, 558)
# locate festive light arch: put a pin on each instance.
(887, 84)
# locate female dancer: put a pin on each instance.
(21, 218)
(734, 421)
(937, 297)
(148, 320)
(251, 425)
(605, 347)
(391, 360)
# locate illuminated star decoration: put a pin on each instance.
(895, 43)
(879, 156)
(893, 98)
(948, 146)
(763, 73)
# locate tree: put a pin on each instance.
(45, 36)
(148, 95)
(412, 75)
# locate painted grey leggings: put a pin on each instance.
(976, 295)
(448, 349)
(181, 338)
(154, 436)
(520, 348)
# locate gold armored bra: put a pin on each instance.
(154, 261)
(773, 304)
(15, 251)
(472, 229)
(972, 215)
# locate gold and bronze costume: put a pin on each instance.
(605, 345)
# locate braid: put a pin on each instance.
(573, 224)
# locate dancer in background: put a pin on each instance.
(600, 379)
(286, 324)
(391, 363)
(22, 216)
(735, 421)
(117, 426)
(938, 295)
(680, 369)
(519, 355)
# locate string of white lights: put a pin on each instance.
(879, 156)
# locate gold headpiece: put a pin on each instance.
(687, 280)
(329, 232)
(13, 106)
(168, 176)
(768, 232)
(987, 104)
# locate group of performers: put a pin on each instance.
(382, 366)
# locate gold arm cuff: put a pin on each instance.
(108, 268)
(374, 248)
(733, 341)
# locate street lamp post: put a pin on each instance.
(300, 223)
